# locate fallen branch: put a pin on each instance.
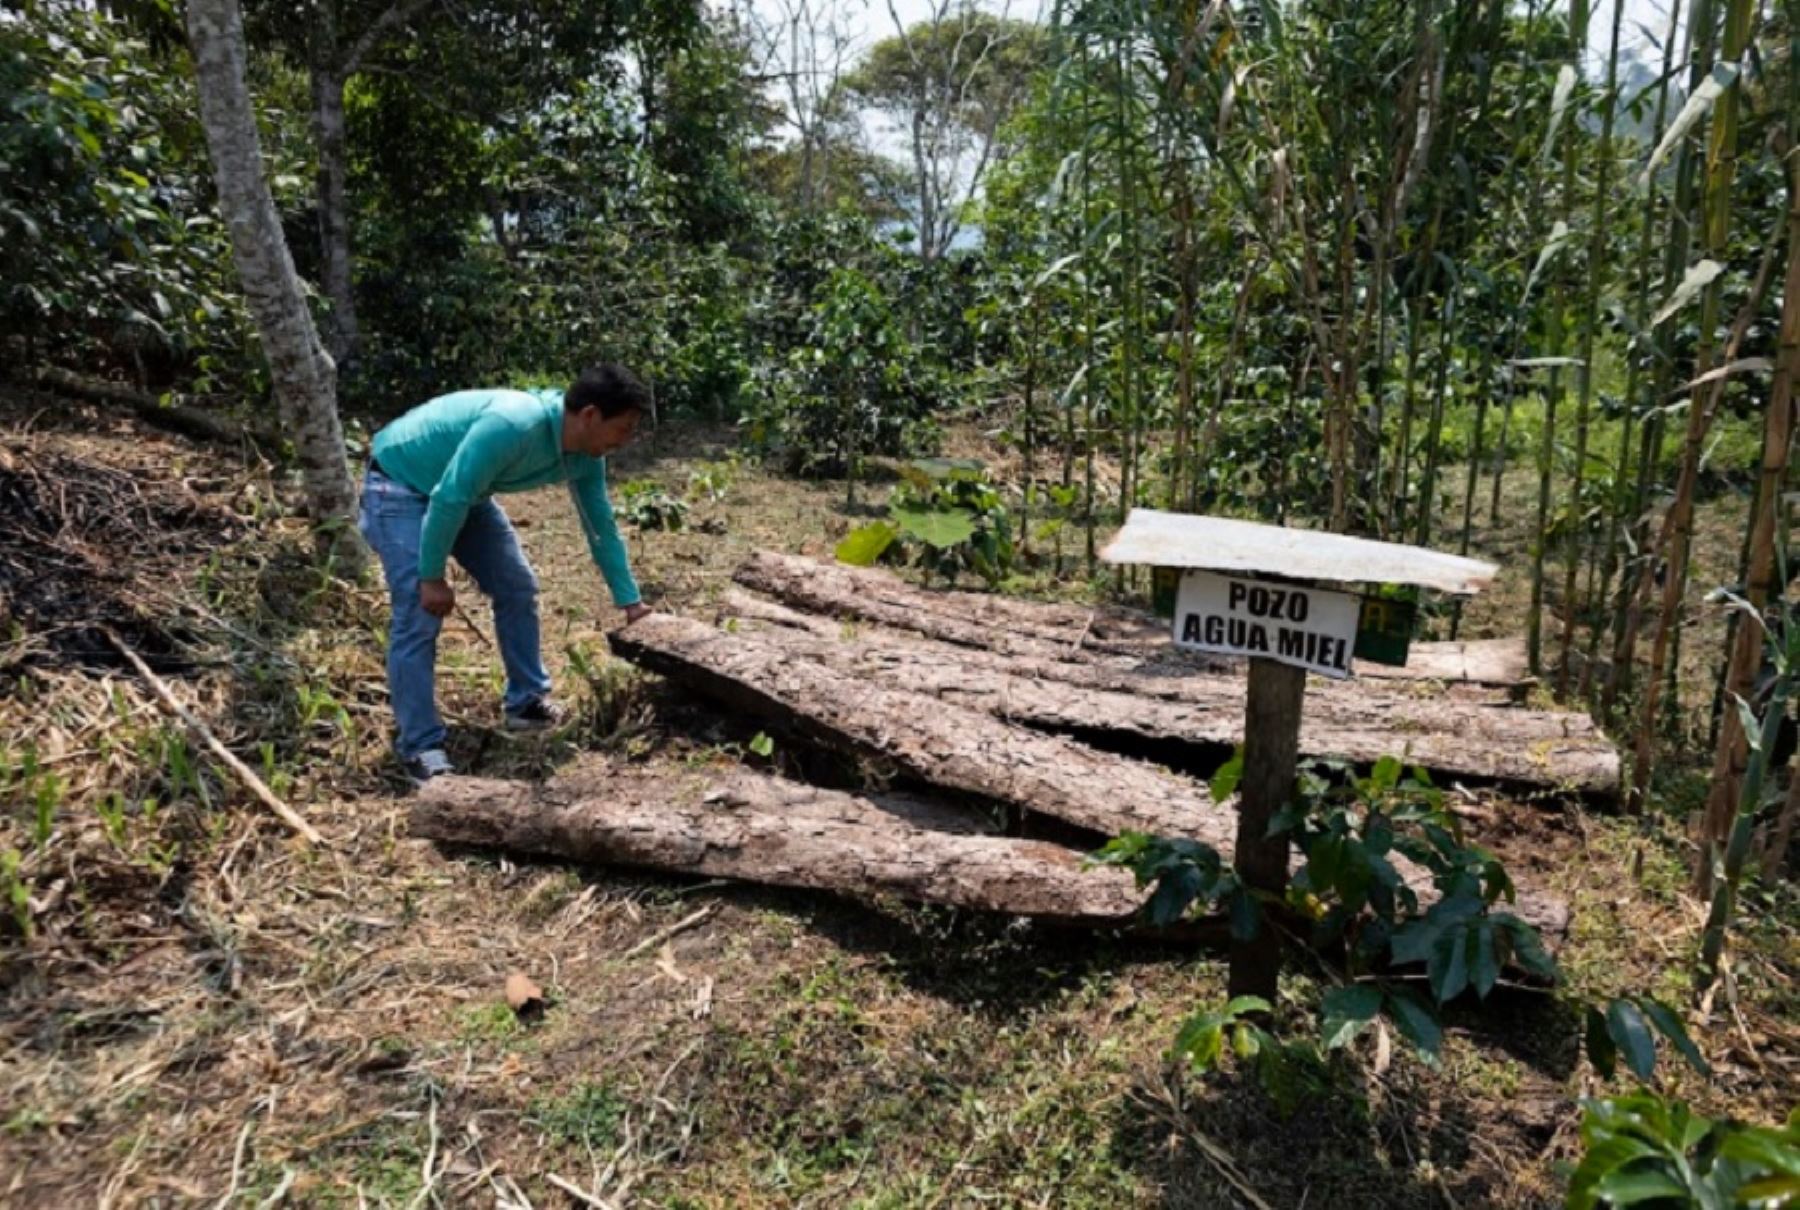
(244, 773)
(674, 930)
(174, 416)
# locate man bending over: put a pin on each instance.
(428, 496)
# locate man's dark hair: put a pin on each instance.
(612, 388)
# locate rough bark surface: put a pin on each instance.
(950, 747)
(1004, 625)
(300, 371)
(934, 742)
(1069, 633)
(334, 212)
(1190, 712)
(741, 824)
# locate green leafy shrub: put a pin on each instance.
(947, 517)
(109, 248)
(1644, 1150)
(855, 386)
(1348, 827)
(647, 506)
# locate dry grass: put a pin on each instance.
(206, 1010)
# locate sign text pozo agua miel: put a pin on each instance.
(1311, 628)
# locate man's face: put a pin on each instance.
(595, 435)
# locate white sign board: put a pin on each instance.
(1310, 628)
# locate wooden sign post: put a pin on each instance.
(1253, 590)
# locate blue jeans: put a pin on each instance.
(488, 548)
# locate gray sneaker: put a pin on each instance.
(433, 762)
(538, 714)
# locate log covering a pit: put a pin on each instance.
(1198, 711)
(746, 825)
(1064, 634)
(950, 747)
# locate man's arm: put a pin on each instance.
(588, 489)
(489, 445)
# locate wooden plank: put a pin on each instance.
(736, 823)
(948, 747)
(1192, 715)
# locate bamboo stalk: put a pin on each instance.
(1434, 435)
(1678, 526)
(1732, 755)
(1621, 510)
(1635, 591)
(1534, 619)
(1596, 285)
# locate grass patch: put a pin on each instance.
(589, 1115)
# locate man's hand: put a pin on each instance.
(436, 597)
(634, 612)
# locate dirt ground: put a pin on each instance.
(207, 1012)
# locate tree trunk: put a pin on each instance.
(1635, 582)
(334, 212)
(1626, 507)
(930, 741)
(1434, 433)
(740, 824)
(303, 377)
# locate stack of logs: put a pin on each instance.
(992, 712)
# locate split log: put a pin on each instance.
(745, 825)
(1188, 717)
(1068, 633)
(1497, 662)
(935, 743)
(945, 745)
(1004, 625)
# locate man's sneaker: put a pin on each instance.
(428, 764)
(538, 714)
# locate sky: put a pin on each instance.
(1640, 16)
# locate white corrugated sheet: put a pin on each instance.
(1160, 539)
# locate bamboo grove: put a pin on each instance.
(1385, 266)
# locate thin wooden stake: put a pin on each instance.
(244, 773)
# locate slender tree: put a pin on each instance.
(301, 373)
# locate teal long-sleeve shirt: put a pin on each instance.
(466, 446)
